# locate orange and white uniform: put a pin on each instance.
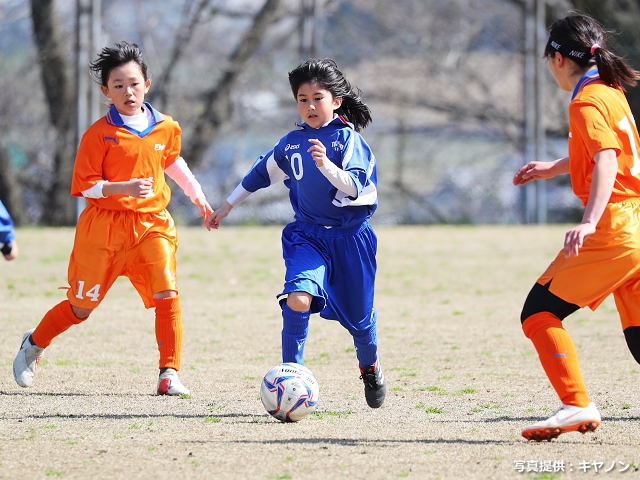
(121, 235)
(609, 260)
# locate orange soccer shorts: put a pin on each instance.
(608, 262)
(111, 243)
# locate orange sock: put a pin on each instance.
(558, 356)
(169, 331)
(57, 320)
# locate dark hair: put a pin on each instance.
(110, 58)
(326, 74)
(582, 39)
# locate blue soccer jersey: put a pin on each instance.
(313, 198)
(7, 234)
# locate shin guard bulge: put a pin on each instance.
(366, 343)
(295, 327)
(169, 331)
(558, 356)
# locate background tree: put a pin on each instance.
(621, 16)
(59, 209)
(443, 78)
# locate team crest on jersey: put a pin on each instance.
(160, 146)
(291, 147)
(114, 139)
(337, 146)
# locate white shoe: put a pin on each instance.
(568, 418)
(27, 361)
(170, 384)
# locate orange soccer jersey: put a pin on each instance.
(609, 260)
(111, 151)
(600, 118)
(122, 235)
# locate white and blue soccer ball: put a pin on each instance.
(289, 392)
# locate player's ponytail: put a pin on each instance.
(613, 70)
(582, 39)
(325, 73)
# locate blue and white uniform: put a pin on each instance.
(7, 233)
(330, 248)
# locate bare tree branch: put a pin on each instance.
(159, 95)
(216, 102)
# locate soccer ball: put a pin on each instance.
(289, 392)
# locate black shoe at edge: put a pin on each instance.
(375, 387)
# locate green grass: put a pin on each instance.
(429, 388)
(421, 406)
(427, 391)
(465, 391)
(329, 414)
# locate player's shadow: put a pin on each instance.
(244, 417)
(362, 442)
(31, 393)
(533, 419)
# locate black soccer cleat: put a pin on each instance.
(375, 388)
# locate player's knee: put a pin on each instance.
(165, 294)
(299, 301)
(632, 336)
(540, 299)
(81, 313)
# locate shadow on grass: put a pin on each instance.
(360, 442)
(530, 419)
(132, 416)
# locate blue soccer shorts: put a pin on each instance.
(335, 266)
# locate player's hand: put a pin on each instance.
(574, 238)
(139, 187)
(214, 219)
(318, 152)
(534, 171)
(14, 251)
(205, 210)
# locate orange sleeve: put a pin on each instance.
(172, 152)
(87, 169)
(593, 128)
(600, 119)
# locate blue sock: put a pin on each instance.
(295, 327)
(366, 343)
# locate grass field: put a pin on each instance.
(463, 380)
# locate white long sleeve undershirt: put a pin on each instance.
(238, 196)
(178, 171)
(339, 178)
